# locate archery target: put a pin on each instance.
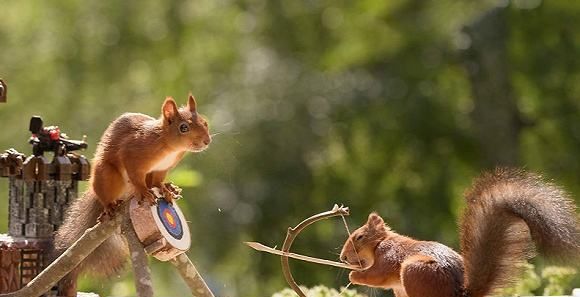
(169, 219)
(172, 224)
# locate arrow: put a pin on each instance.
(262, 248)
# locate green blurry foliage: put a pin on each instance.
(529, 282)
(551, 281)
(364, 103)
(320, 291)
(558, 280)
(185, 177)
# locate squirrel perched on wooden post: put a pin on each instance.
(134, 155)
(505, 209)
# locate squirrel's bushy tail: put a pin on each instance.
(106, 260)
(504, 208)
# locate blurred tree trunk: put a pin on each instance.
(495, 116)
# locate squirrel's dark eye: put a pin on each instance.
(359, 237)
(183, 128)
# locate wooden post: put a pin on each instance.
(141, 271)
(191, 276)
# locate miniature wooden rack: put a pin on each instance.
(39, 192)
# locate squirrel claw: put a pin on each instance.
(106, 215)
(147, 197)
(170, 192)
(168, 198)
(109, 211)
(173, 189)
(103, 217)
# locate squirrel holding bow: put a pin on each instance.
(506, 210)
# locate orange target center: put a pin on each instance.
(169, 217)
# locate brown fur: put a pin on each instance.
(134, 154)
(107, 260)
(133, 146)
(504, 208)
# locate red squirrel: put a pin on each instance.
(136, 151)
(505, 211)
(134, 154)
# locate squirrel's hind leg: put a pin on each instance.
(138, 178)
(423, 276)
(109, 186)
(109, 211)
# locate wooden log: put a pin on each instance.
(141, 271)
(191, 276)
(161, 228)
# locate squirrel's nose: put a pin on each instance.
(207, 141)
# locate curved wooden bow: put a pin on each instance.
(293, 232)
(291, 235)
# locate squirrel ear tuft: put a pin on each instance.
(169, 109)
(375, 220)
(191, 104)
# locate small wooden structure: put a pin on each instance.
(39, 193)
(40, 190)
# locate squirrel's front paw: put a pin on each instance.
(169, 197)
(168, 194)
(356, 277)
(175, 190)
(171, 192)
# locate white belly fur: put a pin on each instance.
(165, 163)
(162, 164)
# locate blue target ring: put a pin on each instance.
(169, 219)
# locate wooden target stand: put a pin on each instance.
(163, 233)
(160, 230)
